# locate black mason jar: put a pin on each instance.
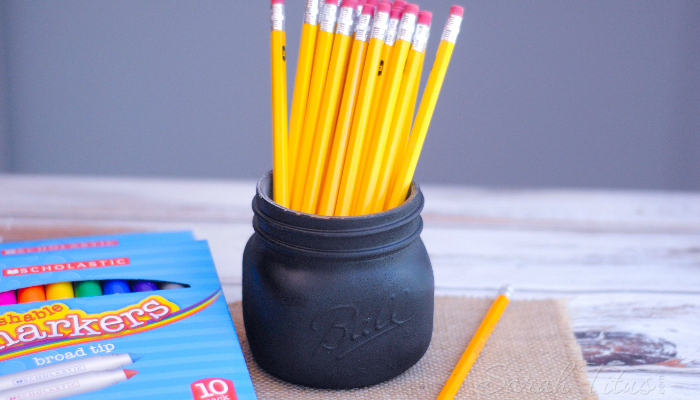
(337, 302)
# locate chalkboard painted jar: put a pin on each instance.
(335, 302)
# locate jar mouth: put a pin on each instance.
(381, 231)
(264, 190)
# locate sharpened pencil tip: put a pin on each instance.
(135, 357)
(507, 291)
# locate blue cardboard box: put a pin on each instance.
(174, 343)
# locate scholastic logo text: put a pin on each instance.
(55, 247)
(37, 269)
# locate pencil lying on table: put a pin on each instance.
(477, 343)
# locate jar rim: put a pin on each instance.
(357, 236)
(412, 204)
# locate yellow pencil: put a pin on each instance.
(335, 79)
(279, 104)
(319, 72)
(309, 32)
(397, 62)
(334, 170)
(403, 142)
(477, 343)
(407, 168)
(391, 32)
(358, 131)
(410, 80)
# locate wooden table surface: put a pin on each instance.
(627, 262)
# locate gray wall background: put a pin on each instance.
(539, 93)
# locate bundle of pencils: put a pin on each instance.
(351, 145)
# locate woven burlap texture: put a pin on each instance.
(532, 354)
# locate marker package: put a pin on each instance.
(86, 242)
(143, 318)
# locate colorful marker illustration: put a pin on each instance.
(88, 289)
(7, 298)
(66, 368)
(69, 290)
(31, 294)
(68, 386)
(171, 285)
(117, 286)
(143, 286)
(59, 290)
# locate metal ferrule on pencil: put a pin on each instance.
(362, 30)
(380, 25)
(311, 16)
(452, 29)
(330, 14)
(358, 12)
(407, 27)
(420, 38)
(321, 6)
(392, 31)
(337, 10)
(277, 17)
(346, 21)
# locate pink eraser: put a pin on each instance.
(334, 2)
(424, 17)
(362, 3)
(368, 9)
(384, 7)
(273, 2)
(373, 2)
(349, 3)
(411, 9)
(400, 3)
(396, 13)
(457, 10)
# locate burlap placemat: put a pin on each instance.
(532, 354)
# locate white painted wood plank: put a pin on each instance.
(134, 199)
(84, 198)
(484, 258)
(616, 383)
(579, 209)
